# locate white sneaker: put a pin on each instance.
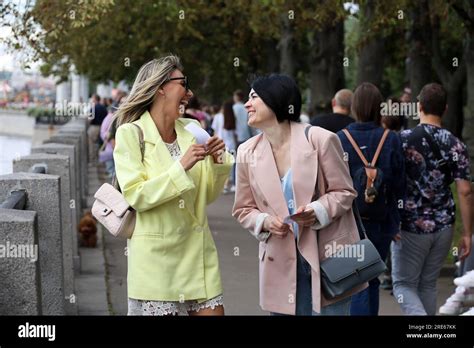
(232, 189)
(466, 280)
(457, 302)
(469, 312)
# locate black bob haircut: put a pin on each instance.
(281, 94)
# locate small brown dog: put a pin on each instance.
(88, 231)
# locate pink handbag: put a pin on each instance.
(110, 207)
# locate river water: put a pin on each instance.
(12, 147)
(18, 133)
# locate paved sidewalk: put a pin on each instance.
(116, 263)
(91, 282)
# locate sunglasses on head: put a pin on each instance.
(185, 78)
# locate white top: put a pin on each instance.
(225, 134)
(174, 150)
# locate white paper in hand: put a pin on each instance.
(200, 134)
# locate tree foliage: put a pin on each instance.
(221, 41)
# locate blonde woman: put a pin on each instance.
(172, 259)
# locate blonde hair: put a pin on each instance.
(149, 79)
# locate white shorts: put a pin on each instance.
(144, 307)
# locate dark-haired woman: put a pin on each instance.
(223, 125)
(381, 217)
(281, 172)
(193, 111)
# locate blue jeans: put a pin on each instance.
(304, 298)
(366, 302)
(110, 167)
(417, 260)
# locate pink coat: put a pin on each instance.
(317, 166)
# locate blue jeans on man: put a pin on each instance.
(417, 260)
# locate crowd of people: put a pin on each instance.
(399, 178)
(102, 128)
(413, 225)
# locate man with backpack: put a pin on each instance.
(434, 158)
(376, 164)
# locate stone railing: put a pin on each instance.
(41, 203)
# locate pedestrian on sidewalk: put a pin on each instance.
(341, 112)
(243, 130)
(381, 149)
(108, 143)
(277, 176)
(99, 112)
(223, 125)
(193, 111)
(434, 159)
(173, 265)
